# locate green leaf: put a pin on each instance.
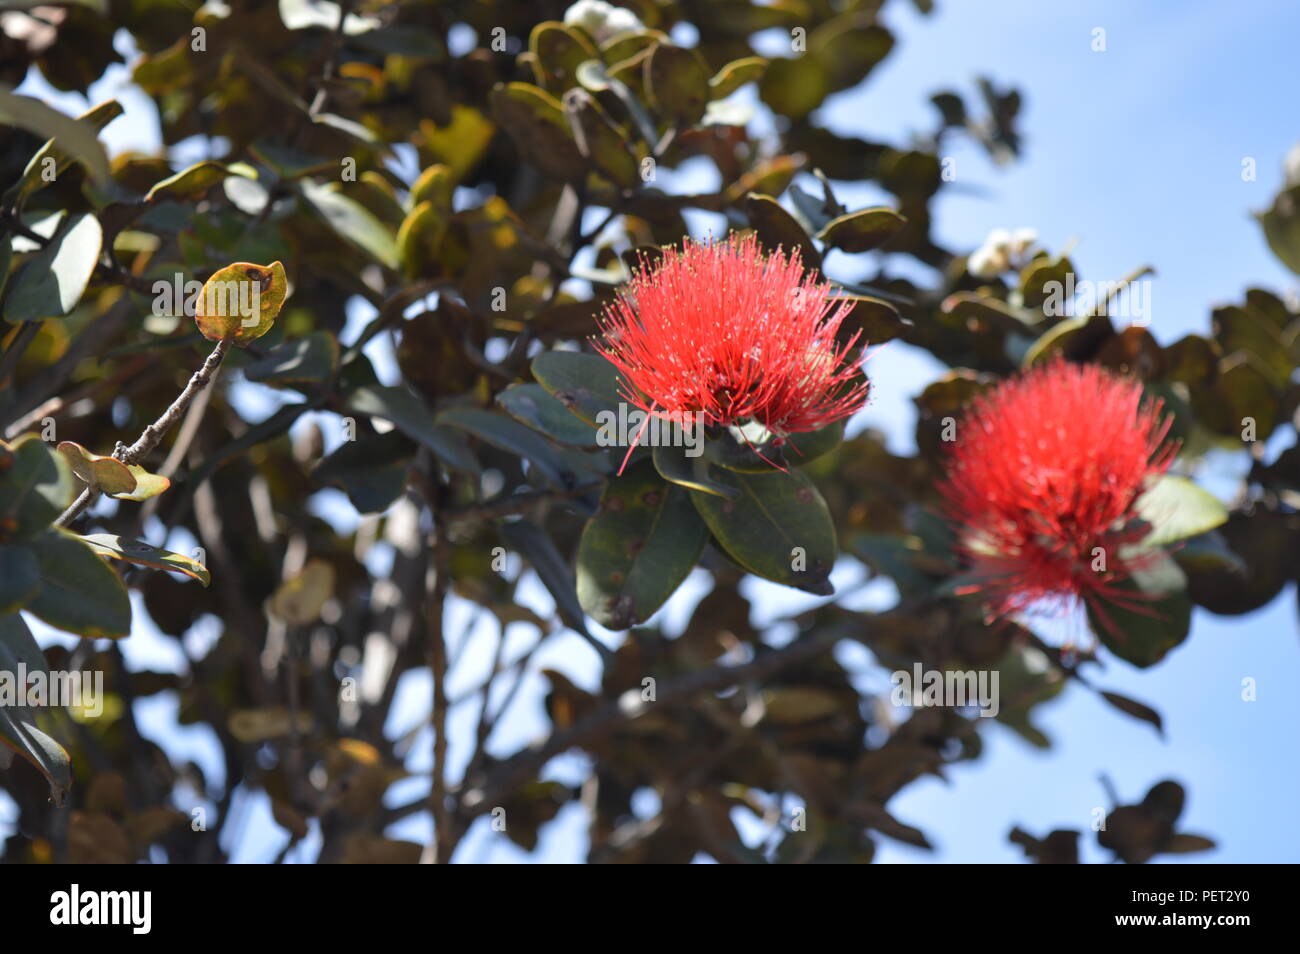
(350, 128)
(143, 554)
(307, 360)
(1136, 709)
(638, 548)
(795, 87)
(402, 40)
(779, 528)
(1250, 330)
(692, 473)
(409, 415)
(678, 83)
(1281, 226)
(878, 321)
(1043, 278)
(533, 405)
(969, 310)
(69, 140)
(728, 451)
(436, 185)
(903, 559)
(1208, 553)
(818, 213)
(189, 183)
(557, 52)
(586, 384)
(462, 143)
(1259, 561)
(18, 727)
(20, 577)
(79, 592)
(737, 73)
(603, 141)
(372, 471)
(534, 119)
(246, 194)
(1177, 509)
(1184, 843)
(850, 45)
(53, 280)
(862, 231)
(777, 228)
(512, 437)
(352, 221)
(1157, 618)
(290, 163)
(1066, 336)
(420, 237)
(36, 486)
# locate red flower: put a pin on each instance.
(722, 330)
(1047, 468)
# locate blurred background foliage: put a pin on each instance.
(485, 204)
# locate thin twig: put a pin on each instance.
(152, 434)
(444, 838)
(509, 504)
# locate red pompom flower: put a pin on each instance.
(1047, 469)
(723, 331)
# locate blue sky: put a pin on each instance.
(1133, 155)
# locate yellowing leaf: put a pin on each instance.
(110, 476)
(259, 725)
(143, 554)
(146, 484)
(106, 474)
(298, 600)
(240, 302)
(190, 183)
(359, 751)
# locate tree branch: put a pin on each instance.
(152, 434)
(523, 766)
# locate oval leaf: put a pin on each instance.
(1177, 509)
(99, 472)
(409, 415)
(1152, 617)
(79, 592)
(533, 405)
(241, 301)
(18, 728)
(143, 554)
(35, 487)
(586, 384)
(638, 548)
(779, 528)
(862, 231)
(53, 280)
